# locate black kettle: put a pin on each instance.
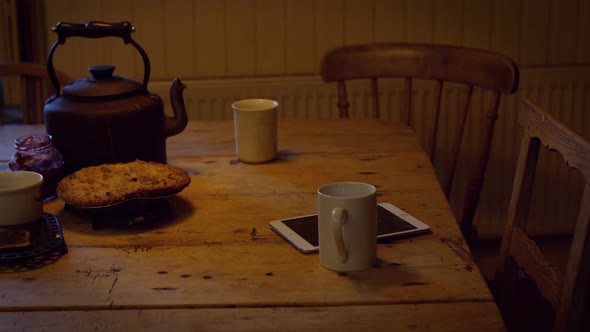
(106, 118)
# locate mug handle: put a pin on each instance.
(339, 218)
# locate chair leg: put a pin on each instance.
(520, 303)
(343, 100)
(470, 233)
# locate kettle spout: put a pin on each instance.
(177, 123)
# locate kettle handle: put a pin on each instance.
(95, 29)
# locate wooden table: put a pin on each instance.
(215, 265)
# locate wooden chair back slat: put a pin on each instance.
(455, 147)
(480, 162)
(437, 107)
(375, 93)
(33, 82)
(408, 102)
(342, 100)
(441, 63)
(568, 292)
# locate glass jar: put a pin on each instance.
(36, 153)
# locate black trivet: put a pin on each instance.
(139, 213)
(46, 236)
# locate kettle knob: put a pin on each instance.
(101, 72)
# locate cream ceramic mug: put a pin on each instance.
(20, 197)
(347, 214)
(255, 129)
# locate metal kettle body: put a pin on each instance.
(107, 118)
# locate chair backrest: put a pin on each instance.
(569, 292)
(34, 84)
(442, 64)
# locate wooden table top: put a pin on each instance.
(215, 265)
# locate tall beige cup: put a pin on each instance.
(255, 129)
(347, 226)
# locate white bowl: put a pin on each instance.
(20, 197)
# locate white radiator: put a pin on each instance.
(562, 91)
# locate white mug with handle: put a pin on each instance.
(347, 213)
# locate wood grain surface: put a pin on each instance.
(213, 263)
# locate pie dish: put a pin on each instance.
(111, 184)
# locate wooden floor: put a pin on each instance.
(522, 307)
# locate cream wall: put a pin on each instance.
(236, 38)
(228, 49)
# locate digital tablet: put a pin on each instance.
(302, 231)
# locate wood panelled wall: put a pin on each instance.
(239, 38)
(229, 49)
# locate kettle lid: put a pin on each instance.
(102, 85)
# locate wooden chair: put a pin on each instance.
(568, 293)
(34, 84)
(442, 64)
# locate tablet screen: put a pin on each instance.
(387, 223)
(306, 227)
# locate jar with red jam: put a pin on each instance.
(36, 153)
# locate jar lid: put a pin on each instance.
(102, 85)
(33, 142)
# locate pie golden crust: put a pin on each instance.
(108, 184)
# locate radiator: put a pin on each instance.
(562, 91)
